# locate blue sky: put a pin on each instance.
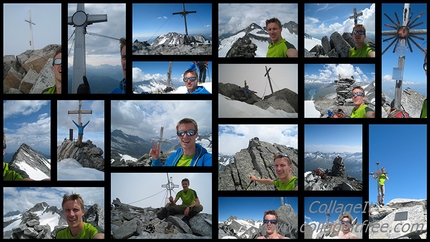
(29, 122)
(323, 19)
(414, 75)
(151, 20)
(144, 118)
(16, 32)
(235, 17)
(23, 198)
(327, 73)
(94, 131)
(316, 208)
(333, 137)
(233, 138)
(147, 70)
(402, 150)
(154, 195)
(251, 207)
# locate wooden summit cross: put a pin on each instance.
(80, 20)
(268, 77)
(78, 112)
(160, 141)
(31, 29)
(355, 16)
(184, 14)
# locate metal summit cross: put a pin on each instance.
(268, 77)
(31, 29)
(184, 14)
(356, 15)
(80, 20)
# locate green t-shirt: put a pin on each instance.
(9, 174)
(362, 52)
(424, 110)
(279, 49)
(381, 179)
(185, 160)
(288, 186)
(87, 232)
(187, 197)
(51, 90)
(360, 112)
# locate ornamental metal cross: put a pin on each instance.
(80, 20)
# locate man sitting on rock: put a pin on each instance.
(190, 206)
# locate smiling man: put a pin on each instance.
(73, 211)
(360, 110)
(190, 153)
(56, 69)
(191, 83)
(270, 220)
(360, 49)
(279, 47)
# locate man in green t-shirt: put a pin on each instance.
(360, 49)
(190, 206)
(285, 180)
(73, 211)
(278, 47)
(424, 107)
(381, 177)
(360, 110)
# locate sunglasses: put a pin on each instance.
(346, 222)
(425, 66)
(271, 221)
(56, 61)
(189, 132)
(192, 79)
(360, 32)
(358, 93)
(4, 146)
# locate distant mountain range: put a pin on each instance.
(102, 79)
(353, 162)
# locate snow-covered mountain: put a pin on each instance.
(259, 36)
(237, 109)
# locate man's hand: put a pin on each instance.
(187, 211)
(84, 88)
(171, 199)
(155, 151)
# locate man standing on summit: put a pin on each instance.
(279, 47)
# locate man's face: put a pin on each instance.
(346, 224)
(358, 100)
(56, 69)
(358, 38)
(185, 186)
(274, 32)
(190, 85)
(270, 228)
(124, 60)
(187, 141)
(73, 213)
(282, 168)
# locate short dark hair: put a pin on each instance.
(186, 179)
(72, 197)
(274, 20)
(187, 121)
(272, 212)
(122, 43)
(282, 156)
